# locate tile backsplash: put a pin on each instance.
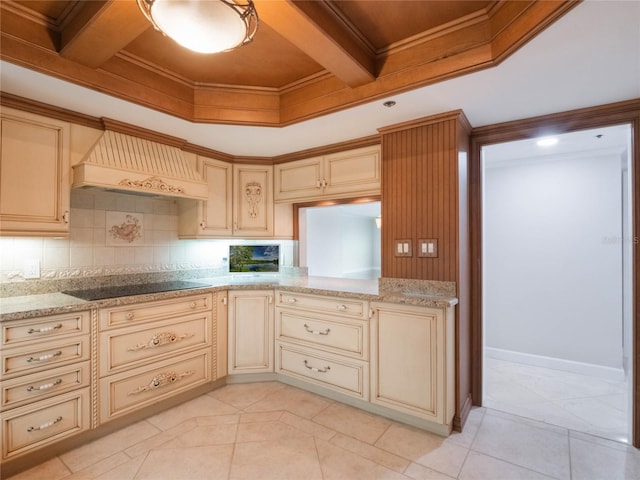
(90, 249)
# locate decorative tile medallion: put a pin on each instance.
(125, 228)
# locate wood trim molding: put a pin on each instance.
(328, 149)
(32, 106)
(626, 112)
(135, 131)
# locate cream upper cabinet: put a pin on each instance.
(413, 362)
(212, 218)
(344, 174)
(34, 175)
(240, 204)
(250, 331)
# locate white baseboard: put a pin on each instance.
(590, 369)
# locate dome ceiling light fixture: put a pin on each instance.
(203, 26)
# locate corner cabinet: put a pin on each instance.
(413, 361)
(339, 175)
(34, 175)
(250, 331)
(240, 204)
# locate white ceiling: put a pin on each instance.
(591, 56)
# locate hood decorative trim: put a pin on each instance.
(131, 164)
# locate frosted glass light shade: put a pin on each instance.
(204, 26)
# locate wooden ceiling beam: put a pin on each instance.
(315, 30)
(90, 39)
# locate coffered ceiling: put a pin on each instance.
(308, 58)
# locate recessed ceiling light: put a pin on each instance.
(389, 103)
(547, 142)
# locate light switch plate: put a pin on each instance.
(403, 248)
(31, 268)
(428, 247)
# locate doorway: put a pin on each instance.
(557, 322)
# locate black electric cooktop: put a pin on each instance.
(127, 290)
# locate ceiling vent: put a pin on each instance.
(135, 165)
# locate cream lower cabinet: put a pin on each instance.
(154, 350)
(339, 175)
(324, 341)
(413, 360)
(250, 331)
(45, 388)
(34, 175)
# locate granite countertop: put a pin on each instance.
(29, 306)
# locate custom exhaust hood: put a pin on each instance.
(130, 164)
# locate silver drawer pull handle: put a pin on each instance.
(316, 332)
(161, 380)
(160, 339)
(130, 316)
(319, 370)
(45, 386)
(291, 300)
(45, 425)
(342, 307)
(45, 329)
(193, 305)
(43, 358)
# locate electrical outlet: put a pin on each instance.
(31, 268)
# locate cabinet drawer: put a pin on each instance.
(144, 312)
(35, 358)
(26, 428)
(41, 328)
(344, 375)
(38, 386)
(331, 305)
(127, 391)
(347, 337)
(129, 346)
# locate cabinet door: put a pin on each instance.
(217, 210)
(34, 175)
(353, 172)
(211, 218)
(298, 180)
(253, 200)
(408, 361)
(250, 331)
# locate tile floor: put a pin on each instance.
(577, 402)
(274, 431)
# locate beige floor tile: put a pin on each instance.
(381, 457)
(104, 447)
(161, 438)
(102, 467)
(196, 463)
(537, 448)
(261, 417)
(203, 436)
(340, 464)
(294, 400)
(427, 449)
(594, 461)
(261, 432)
(353, 422)
(202, 406)
(241, 395)
(418, 472)
(471, 427)
(287, 459)
(218, 420)
(52, 469)
(482, 467)
(126, 471)
(307, 426)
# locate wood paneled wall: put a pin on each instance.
(425, 196)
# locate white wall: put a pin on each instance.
(553, 275)
(339, 243)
